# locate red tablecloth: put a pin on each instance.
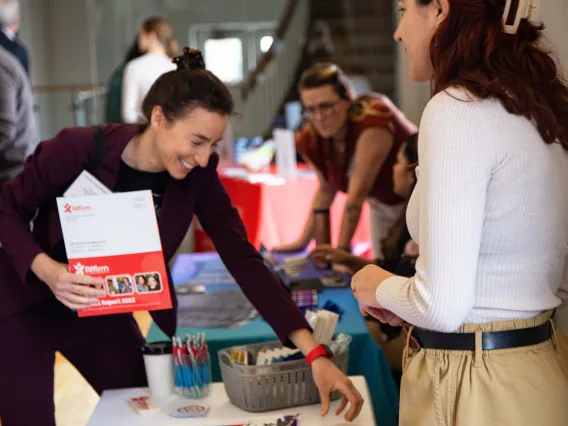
(275, 214)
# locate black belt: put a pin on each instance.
(490, 340)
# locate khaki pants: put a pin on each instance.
(512, 387)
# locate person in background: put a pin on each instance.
(38, 294)
(400, 251)
(352, 144)
(155, 39)
(9, 27)
(18, 131)
(490, 214)
(113, 106)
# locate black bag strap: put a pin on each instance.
(98, 150)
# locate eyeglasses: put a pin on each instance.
(325, 108)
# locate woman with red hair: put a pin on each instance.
(490, 214)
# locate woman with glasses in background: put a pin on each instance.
(352, 144)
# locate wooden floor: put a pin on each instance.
(75, 400)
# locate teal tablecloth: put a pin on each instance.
(365, 357)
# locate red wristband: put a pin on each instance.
(318, 351)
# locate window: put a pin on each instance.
(231, 50)
(224, 58)
(265, 43)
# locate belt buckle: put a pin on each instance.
(413, 342)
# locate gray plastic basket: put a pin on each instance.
(271, 387)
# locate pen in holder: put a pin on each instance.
(192, 372)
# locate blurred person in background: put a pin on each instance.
(18, 131)
(399, 250)
(155, 39)
(352, 144)
(113, 106)
(9, 27)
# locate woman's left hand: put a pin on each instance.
(383, 315)
(329, 378)
(365, 283)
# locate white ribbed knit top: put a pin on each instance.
(490, 214)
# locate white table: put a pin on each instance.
(113, 409)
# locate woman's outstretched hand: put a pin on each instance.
(329, 378)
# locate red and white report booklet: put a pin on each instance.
(116, 237)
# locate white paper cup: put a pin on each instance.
(159, 364)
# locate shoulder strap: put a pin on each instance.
(98, 149)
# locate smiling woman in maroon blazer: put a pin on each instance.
(187, 112)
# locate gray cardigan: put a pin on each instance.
(18, 131)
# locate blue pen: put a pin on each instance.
(193, 367)
(188, 382)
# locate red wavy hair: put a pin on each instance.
(470, 50)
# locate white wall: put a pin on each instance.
(554, 15)
(83, 41)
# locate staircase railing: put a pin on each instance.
(59, 106)
(269, 83)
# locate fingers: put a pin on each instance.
(342, 268)
(321, 252)
(352, 395)
(396, 322)
(375, 313)
(324, 396)
(387, 316)
(72, 305)
(342, 406)
(77, 296)
(318, 253)
(74, 301)
(63, 287)
(87, 291)
(80, 279)
(384, 316)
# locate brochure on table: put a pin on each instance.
(116, 237)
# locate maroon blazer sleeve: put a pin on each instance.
(224, 226)
(47, 174)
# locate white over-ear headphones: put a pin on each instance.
(527, 9)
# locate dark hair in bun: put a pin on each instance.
(191, 86)
(191, 59)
